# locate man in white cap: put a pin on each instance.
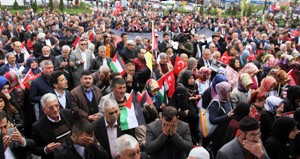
(198, 153)
(128, 53)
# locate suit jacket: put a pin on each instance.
(18, 151)
(7, 33)
(5, 68)
(89, 58)
(201, 63)
(101, 134)
(68, 150)
(80, 104)
(59, 59)
(42, 132)
(38, 88)
(42, 58)
(157, 144)
(68, 99)
(162, 47)
(200, 44)
(97, 63)
(127, 55)
(234, 150)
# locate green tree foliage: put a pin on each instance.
(50, 5)
(61, 5)
(16, 5)
(34, 6)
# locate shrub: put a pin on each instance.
(16, 5)
(61, 5)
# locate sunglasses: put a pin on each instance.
(112, 113)
(82, 44)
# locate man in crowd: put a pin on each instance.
(14, 144)
(162, 47)
(41, 86)
(168, 137)
(100, 60)
(60, 84)
(11, 64)
(21, 56)
(66, 63)
(128, 53)
(52, 128)
(127, 147)
(81, 144)
(107, 128)
(247, 144)
(86, 97)
(122, 44)
(83, 58)
(118, 94)
(46, 55)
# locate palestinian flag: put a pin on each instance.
(131, 114)
(117, 64)
(145, 99)
(29, 78)
(161, 91)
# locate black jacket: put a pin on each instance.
(67, 150)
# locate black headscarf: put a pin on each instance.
(241, 110)
(282, 128)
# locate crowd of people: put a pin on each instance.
(246, 77)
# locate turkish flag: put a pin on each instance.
(179, 66)
(292, 76)
(169, 80)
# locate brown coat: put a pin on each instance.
(80, 103)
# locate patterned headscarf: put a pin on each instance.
(13, 77)
(272, 103)
(249, 68)
(267, 83)
(222, 89)
(204, 73)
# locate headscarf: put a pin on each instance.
(217, 79)
(267, 83)
(190, 63)
(293, 93)
(245, 80)
(13, 77)
(244, 57)
(241, 110)
(151, 85)
(249, 68)
(222, 89)
(271, 62)
(282, 128)
(29, 61)
(272, 103)
(204, 73)
(297, 117)
(3, 82)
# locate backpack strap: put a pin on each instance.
(218, 104)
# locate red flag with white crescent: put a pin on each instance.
(179, 66)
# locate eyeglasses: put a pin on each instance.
(253, 135)
(51, 108)
(82, 44)
(112, 113)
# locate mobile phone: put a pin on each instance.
(10, 131)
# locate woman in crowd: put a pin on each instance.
(220, 113)
(232, 70)
(187, 112)
(292, 100)
(31, 64)
(202, 81)
(252, 70)
(244, 57)
(12, 112)
(188, 81)
(273, 110)
(229, 54)
(210, 92)
(243, 92)
(281, 143)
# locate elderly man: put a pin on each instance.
(107, 128)
(81, 144)
(86, 97)
(46, 55)
(100, 60)
(84, 58)
(164, 66)
(118, 94)
(247, 144)
(11, 64)
(168, 137)
(127, 147)
(41, 85)
(66, 63)
(102, 79)
(205, 60)
(20, 55)
(128, 53)
(52, 128)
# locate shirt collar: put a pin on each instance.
(53, 121)
(106, 124)
(59, 94)
(85, 90)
